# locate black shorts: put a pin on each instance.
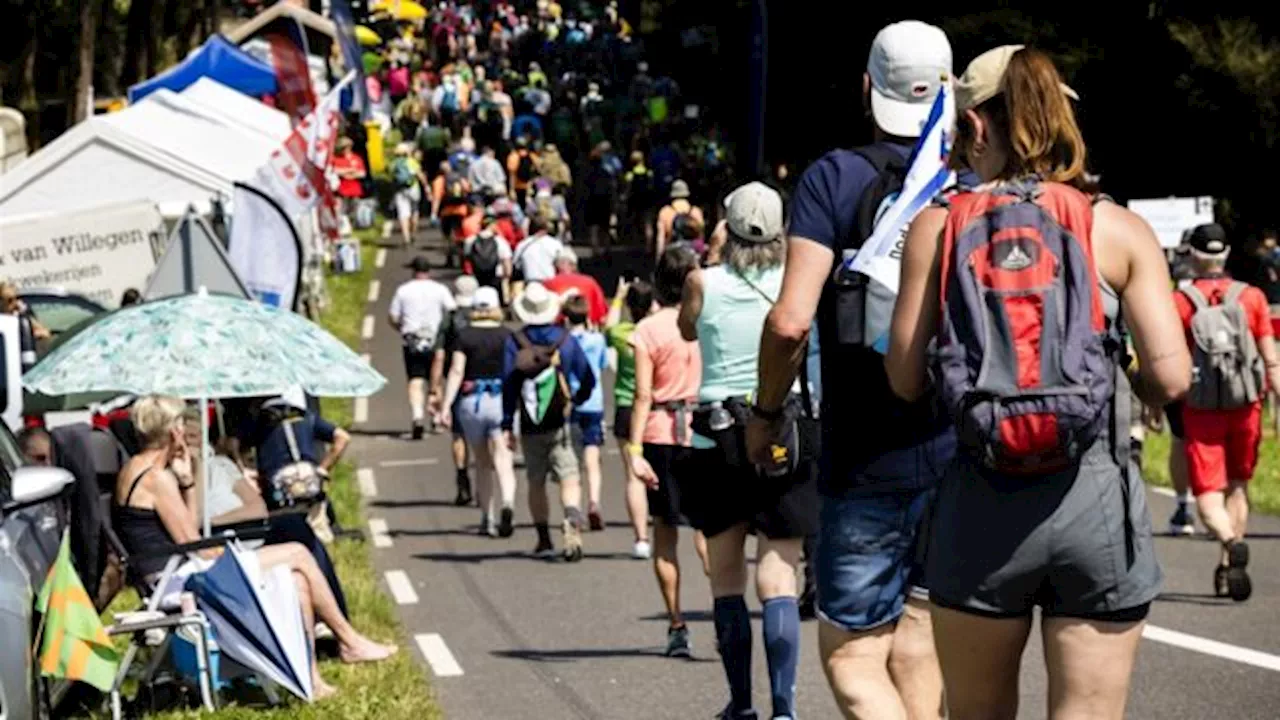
(718, 496)
(417, 364)
(622, 422)
(668, 463)
(1173, 413)
(450, 225)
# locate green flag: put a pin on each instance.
(538, 393)
(74, 643)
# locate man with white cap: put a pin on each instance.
(876, 482)
(723, 308)
(541, 361)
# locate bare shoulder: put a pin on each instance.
(1116, 222)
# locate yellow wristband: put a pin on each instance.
(635, 449)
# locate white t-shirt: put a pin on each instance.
(536, 257)
(504, 249)
(419, 306)
(223, 476)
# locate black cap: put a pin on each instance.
(1209, 239)
(419, 264)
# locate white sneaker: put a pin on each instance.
(641, 550)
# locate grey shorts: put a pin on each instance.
(478, 416)
(550, 454)
(1002, 545)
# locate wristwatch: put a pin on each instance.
(770, 415)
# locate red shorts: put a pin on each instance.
(1221, 445)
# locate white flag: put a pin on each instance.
(295, 173)
(264, 248)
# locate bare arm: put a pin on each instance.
(456, 372)
(691, 306)
(437, 372)
(784, 342)
(173, 509)
(915, 314)
(1132, 262)
(339, 445)
(1267, 348)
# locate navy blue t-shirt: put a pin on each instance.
(862, 420)
(272, 446)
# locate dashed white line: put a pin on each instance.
(612, 451)
(1226, 651)
(380, 532)
(368, 487)
(438, 655)
(408, 463)
(1167, 492)
(367, 358)
(380, 258)
(401, 589)
(361, 410)
(366, 328)
(375, 286)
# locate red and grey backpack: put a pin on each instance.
(1024, 359)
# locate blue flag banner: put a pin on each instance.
(340, 11)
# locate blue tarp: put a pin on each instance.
(218, 59)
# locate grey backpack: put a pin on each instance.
(1227, 371)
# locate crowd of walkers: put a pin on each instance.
(937, 489)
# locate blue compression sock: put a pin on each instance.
(782, 649)
(733, 639)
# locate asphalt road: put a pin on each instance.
(505, 635)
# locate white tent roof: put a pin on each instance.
(94, 163)
(231, 106)
(182, 128)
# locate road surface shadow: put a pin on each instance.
(477, 558)
(412, 503)
(691, 616)
(398, 434)
(1205, 600)
(589, 654)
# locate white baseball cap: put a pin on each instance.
(753, 212)
(910, 61)
(486, 298)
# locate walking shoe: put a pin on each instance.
(464, 489)
(417, 429)
(572, 541)
(641, 550)
(730, 714)
(505, 527)
(1182, 522)
(487, 528)
(594, 520)
(1232, 580)
(545, 550)
(678, 644)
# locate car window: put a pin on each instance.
(10, 458)
(60, 314)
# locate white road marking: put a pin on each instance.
(380, 532)
(366, 328)
(1167, 492)
(408, 463)
(380, 258)
(368, 487)
(362, 410)
(367, 358)
(401, 589)
(438, 656)
(612, 451)
(1256, 658)
(375, 286)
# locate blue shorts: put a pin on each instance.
(588, 428)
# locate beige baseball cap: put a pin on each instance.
(984, 78)
(754, 212)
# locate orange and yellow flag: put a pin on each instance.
(74, 643)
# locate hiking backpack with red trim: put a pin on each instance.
(1024, 361)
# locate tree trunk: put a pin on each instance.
(80, 105)
(211, 8)
(155, 37)
(137, 42)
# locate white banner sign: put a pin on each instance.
(264, 248)
(1171, 217)
(98, 253)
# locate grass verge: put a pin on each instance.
(1264, 490)
(395, 688)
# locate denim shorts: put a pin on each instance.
(868, 557)
(588, 428)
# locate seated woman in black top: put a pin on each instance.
(157, 504)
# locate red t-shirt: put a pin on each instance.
(1214, 289)
(349, 187)
(597, 306)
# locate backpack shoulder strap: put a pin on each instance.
(1197, 298)
(522, 340)
(881, 157)
(1234, 291)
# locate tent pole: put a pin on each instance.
(204, 461)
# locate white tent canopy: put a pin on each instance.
(184, 129)
(94, 164)
(231, 106)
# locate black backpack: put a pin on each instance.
(682, 226)
(526, 168)
(484, 255)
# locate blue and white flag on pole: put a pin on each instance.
(340, 12)
(880, 257)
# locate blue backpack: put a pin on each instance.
(449, 103)
(402, 173)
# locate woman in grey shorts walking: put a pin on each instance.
(475, 381)
(1075, 541)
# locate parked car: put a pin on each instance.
(59, 310)
(33, 515)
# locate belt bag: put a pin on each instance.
(300, 480)
(724, 423)
(681, 408)
(418, 343)
(797, 441)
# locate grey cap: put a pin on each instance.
(754, 212)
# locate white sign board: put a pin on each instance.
(98, 253)
(1171, 217)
